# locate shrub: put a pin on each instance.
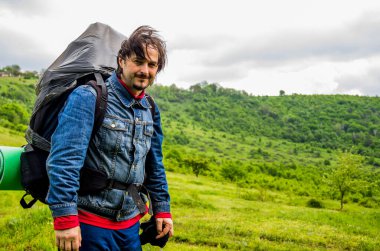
(369, 203)
(314, 203)
(233, 172)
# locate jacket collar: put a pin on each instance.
(124, 96)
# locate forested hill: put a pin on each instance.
(287, 142)
(327, 121)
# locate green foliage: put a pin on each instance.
(14, 116)
(314, 203)
(17, 97)
(198, 165)
(233, 172)
(18, 90)
(345, 175)
(30, 75)
(15, 71)
(12, 70)
(14, 112)
(264, 142)
(281, 143)
(327, 121)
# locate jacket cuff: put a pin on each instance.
(66, 222)
(64, 209)
(161, 207)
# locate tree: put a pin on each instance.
(198, 165)
(30, 74)
(233, 171)
(345, 176)
(14, 70)
(282, 93)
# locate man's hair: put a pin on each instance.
(142, 38)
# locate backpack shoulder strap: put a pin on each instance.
(101, 101)
(152, 105)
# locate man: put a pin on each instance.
(127, 147)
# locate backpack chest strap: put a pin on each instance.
(35, 139)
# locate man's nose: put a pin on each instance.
(144, 68)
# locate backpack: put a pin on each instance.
(89, 59)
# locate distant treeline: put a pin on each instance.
(327, 121)
(15, 71)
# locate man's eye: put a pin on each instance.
(153, 65)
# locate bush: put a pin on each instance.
(369, 203)
(14, 113)
(314, 203)
(233, 172)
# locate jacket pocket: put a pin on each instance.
(113, 135)
(148, 129)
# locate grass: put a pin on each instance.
(211, 215)
(233, 223)
(11, 138)
(216, 215)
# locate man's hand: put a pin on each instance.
(164, 226)
(68, 239)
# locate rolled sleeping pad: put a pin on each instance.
(10, 176)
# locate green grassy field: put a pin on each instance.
(216, 215)
(210, 215)
(213, 214)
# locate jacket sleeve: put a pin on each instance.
(155, 180)
(69, 145)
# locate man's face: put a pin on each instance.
(139, 73)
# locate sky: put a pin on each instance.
(261, 47)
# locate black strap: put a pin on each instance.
(152, 105)
(133, 191)
(26, 205)
(101, 101)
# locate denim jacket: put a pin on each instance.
(127, 146)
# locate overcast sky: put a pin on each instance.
(262, 47)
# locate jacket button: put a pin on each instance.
(113, 125)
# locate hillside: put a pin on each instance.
(242, 174)
(217, 215)
(212, 215)
(284, 143)
(327, 121)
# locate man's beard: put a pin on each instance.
(142, 76)
(140, 88)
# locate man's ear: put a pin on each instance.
(120, 61)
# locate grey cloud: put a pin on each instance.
(25, 7)
(18, 49)
(213, 74)
(367, 84)
(199, 43)
(357, 40)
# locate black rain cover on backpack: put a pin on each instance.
(92, 56)
(93, 51)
